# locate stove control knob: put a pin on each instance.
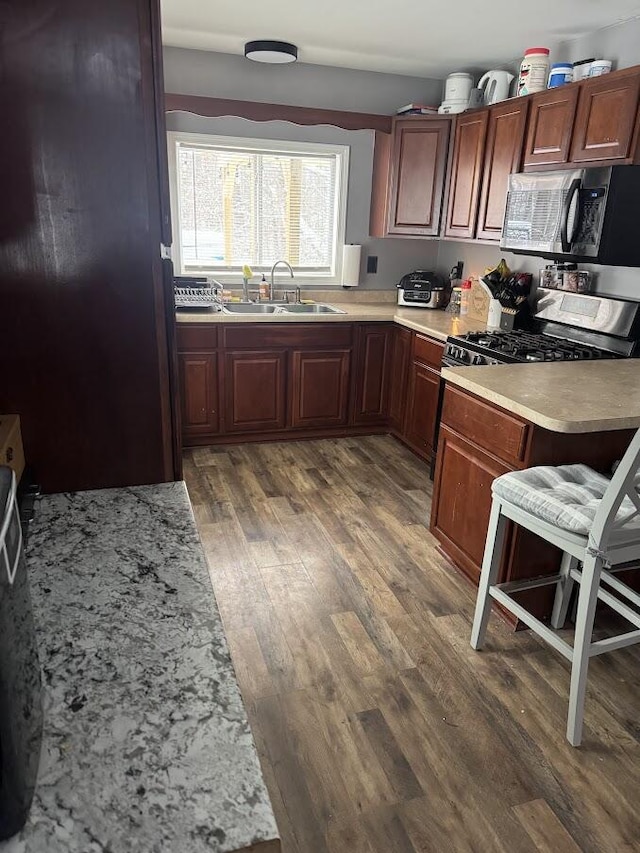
(477, 359)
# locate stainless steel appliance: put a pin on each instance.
(20, 685)
(565, 327)
(578, 214)
(422, 289)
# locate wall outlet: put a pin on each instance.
(372, 264)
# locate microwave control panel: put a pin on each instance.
(592, 203)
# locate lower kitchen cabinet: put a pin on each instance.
(255, 391)
(422, 408)
(399, 378)
(319, 388)
(199, 399)
(372, 369)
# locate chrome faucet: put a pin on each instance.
(273, 269)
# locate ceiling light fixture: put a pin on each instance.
(275, 52)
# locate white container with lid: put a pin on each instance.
(600, 66)
(534, 71)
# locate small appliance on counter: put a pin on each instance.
(496, 86)
(422, 289)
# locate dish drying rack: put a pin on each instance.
(205, 295)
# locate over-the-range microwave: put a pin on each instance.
(587, 215)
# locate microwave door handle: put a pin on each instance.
(566, 209)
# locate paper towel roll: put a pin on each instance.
(351, 265)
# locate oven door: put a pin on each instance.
(20, 684)
(555, 214)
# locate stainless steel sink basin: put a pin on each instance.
(250, 308)
(313, 309)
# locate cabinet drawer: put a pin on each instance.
(487, 426)
(196, 336)
(256, 335)
(428, 351)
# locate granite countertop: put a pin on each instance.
(147, 746)
(435, 323)
(572, 397)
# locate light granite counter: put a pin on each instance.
(147, 747)
(437, 324)
(570, 396)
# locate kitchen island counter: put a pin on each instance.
(147, 745)
(565, 397)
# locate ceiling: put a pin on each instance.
(427, 38)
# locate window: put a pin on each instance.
(255, 201)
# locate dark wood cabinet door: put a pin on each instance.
(254, 391)
(462, 499)
(606, 120)
(374, 344)
(422, 407)
(550, 125)
(319, 388)
(503, 155)
(399, 378)
(418, 166)
(466, 170)
(199, 393)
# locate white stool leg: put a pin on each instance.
(563, 591)
(587, 601)
(489, 575)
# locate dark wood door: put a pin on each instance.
(80, 234)
(418, 166)
(399, 378)
(372, 369)
(465, 175)
(550, 125)
(607, 118)
(422, 407)
(319, 388)
(199, 393)
(255, 391)
(502, 155)
(462, 499)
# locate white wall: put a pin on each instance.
(395, 256)
(620, 42)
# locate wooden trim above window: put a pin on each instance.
(256, 111)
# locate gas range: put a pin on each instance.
(565, 327)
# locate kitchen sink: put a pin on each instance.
(250, 308)
(313, 309)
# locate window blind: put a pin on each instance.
(257, 204)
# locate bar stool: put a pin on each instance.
(595, 521)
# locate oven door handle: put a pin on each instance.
(574, 187)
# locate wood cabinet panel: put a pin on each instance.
(399, 378)
(374, 343)
(502, 156)
(465, 176)
(254, 391)
(196, 336)
(319, 388)
(606, 119)
(428, 351)
(260, 335)
(491, 428)
(550, 126)
(422, 407)
(462, 499)
(418, 165)
(380, 188)
(199, 392)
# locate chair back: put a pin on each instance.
(624, 484)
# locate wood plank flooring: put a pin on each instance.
(379, 729)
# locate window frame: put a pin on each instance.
(304, 277)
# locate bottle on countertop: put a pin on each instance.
(465, 296)
(263, 288)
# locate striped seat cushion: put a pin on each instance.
(566, 496)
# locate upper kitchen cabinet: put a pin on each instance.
(417, 157)
(502, 155)
(606, 126)
(551, 118)
(465, 175)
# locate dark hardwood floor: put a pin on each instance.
(379, 729)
